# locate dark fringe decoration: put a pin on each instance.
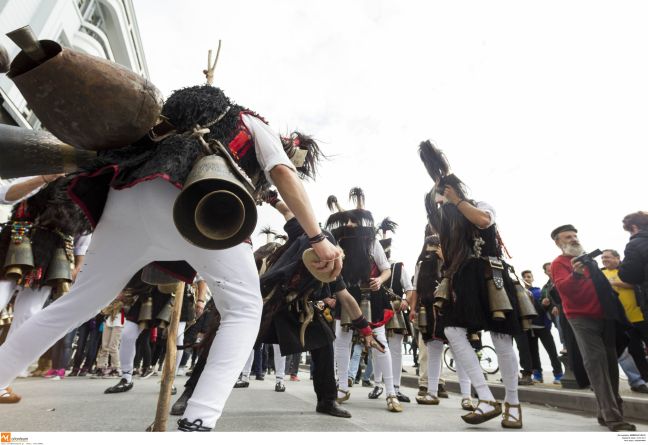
(267, 230)
(362, 218)
(434, 161)
(387, 225)
(357, 196)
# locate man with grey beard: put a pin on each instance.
(594, 330)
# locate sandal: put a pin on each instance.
(479, 416)
(427, 399)
(122, 386)
(467, 404)
(393, 404)
(376, 392)
(516, 423)
(344, 398)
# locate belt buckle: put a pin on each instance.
(495, 263)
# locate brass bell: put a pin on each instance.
(498, 301)
(165, 314)
(85, 101)
(215, 210)
(146, 312)
(59, 272)
(400, 320)
(153, 275)
(422, 320)
(526, 324)
(526, 308)
(167, 288)
(19, 260)
(25, 152)
(365, 307)
(442, 293)
(4, 317)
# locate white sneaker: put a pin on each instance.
(23, 375)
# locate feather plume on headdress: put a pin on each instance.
(434, 161)
(333, 204)
(358, 197)
(387, 225)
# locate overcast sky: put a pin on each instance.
(541, 107)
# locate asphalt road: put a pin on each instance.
(78, 404)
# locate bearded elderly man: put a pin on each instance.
(594, 331)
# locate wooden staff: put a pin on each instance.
(168, 371)
(209, 72)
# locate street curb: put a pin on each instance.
(567, 399)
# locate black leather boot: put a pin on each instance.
(180, 405)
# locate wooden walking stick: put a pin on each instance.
(168, 371)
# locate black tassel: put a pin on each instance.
(358, 197)
(387, 225)
(333, 205)
(434, 161)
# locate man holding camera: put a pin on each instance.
(589, 308)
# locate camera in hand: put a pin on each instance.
(588, 258)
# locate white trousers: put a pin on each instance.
(28, 302)
(279, 363)
(434, 350)
(465, 356)
(247, 368)
(382, 362)
(7, 289)
(179, 340)
(395, 343)
(128, 348)
(136, 229)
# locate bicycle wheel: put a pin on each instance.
(449, 360)
(488, 360)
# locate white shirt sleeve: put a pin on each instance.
(379, 257)
(406, 282)
(416, 274)
(269, 151)
(81, 244)
(6, 184)
(485, 207)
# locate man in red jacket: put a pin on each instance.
(595, 335)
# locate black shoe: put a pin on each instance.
(74, 373)
(180, 405)
(422, 391)
(640, 388)
(241, 384)
(441, 392)
(621, 426)
(280, 387)
(376, 392)
(332, 409)
(259, 377)
(174, 391)
(402, 397)
(146, 373)
(122, 386)
(366, 383)
(192, 427)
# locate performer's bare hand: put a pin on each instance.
(330, 257)
(375, 283)
(330, 302)
(403, 306)
(555, 311)
(413, 315)
(451, 194)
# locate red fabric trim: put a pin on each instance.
(241, 144)
(388, 315)
(365, 332)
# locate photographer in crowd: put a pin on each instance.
(593, 311)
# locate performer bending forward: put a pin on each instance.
(136, 227)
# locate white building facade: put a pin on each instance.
(102, 28)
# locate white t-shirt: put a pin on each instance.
(416, 274)
(486, 207)
(6, 184)
(268, 148)
(81, 244)
(379, 257)
(405, 282)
